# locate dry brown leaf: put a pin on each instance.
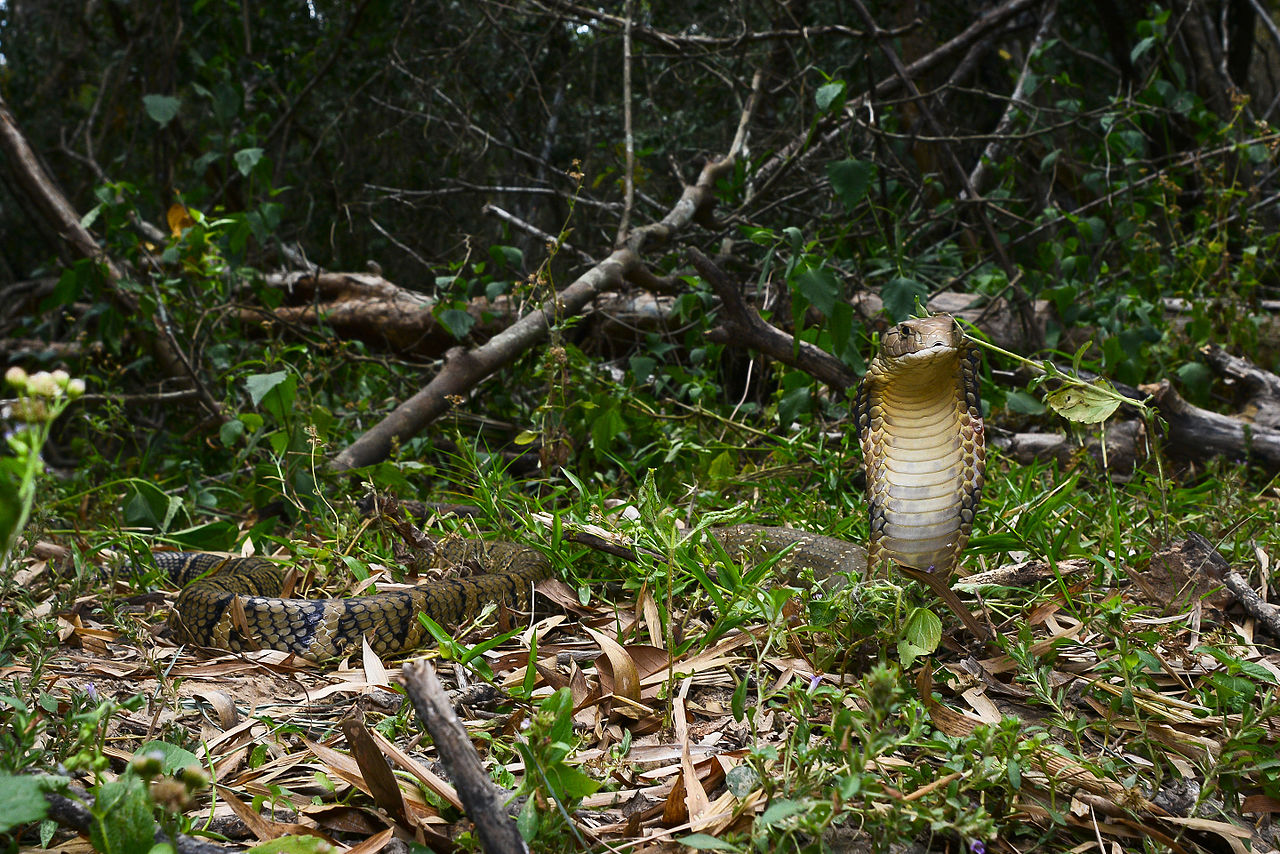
(695, 796)
(383, 785)
(429, 779)
(621, 679)
(178, 218)
(223, 706)
(264, 828)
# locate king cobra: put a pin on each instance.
(920, 425)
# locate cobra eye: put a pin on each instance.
(904, 329)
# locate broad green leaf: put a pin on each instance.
(1086, 404)
(780, 810)
(920, 636)
(230, 432)
(820, 287)
(259, 384)
(161, 108)
(211, 536)
(23, 799)
(247, 158)
(742, 780)
(923, 629)
(1022, 402)
(122, 818)
(456, 321)
(830, 94)
(899, 295)
(850, 180)
(509, 256)
(172, 757)
(706, 842)
(294, 845)
(568, 782)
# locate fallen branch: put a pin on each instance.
(481, 799)
(742, 327)
(1197, 433)
(465, 368)
(1201, 557)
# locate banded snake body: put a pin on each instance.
(921, 432)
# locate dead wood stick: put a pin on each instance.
(72, 812)
(1198, 433)
(480, 796)
(530, 228)
(743, 327)
(1211, 562)
(465, 368)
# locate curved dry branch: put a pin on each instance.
(465, 368)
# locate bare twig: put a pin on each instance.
(1020, 298)
(530, 228)
(990, 154)
(629, 140)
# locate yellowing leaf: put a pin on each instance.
(1087, 404)
(179, 219)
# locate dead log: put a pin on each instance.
(389, 317)
(384, 315)
(1197, 433)
(1119, 454)
(1259, 400)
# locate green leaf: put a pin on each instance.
(246, 159)
(508, 256)
(820, 287)
(172, 757)
(920, 636)
(301, 844)
(122, 818)
(527, 821)
(1086, 404)
(568, 782)
(1024, 403)
(212, 536)
(1197, 378)
(723, 467)
(830, 94)
(274, 392)
(456, 322)
(780, 810)
(23, 799)
(230, 432)
(706, 842)
(851, 179)
(147, 506)
(161, 108)
(899, 295)
(259, 384)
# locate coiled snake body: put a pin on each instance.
(921, 432)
